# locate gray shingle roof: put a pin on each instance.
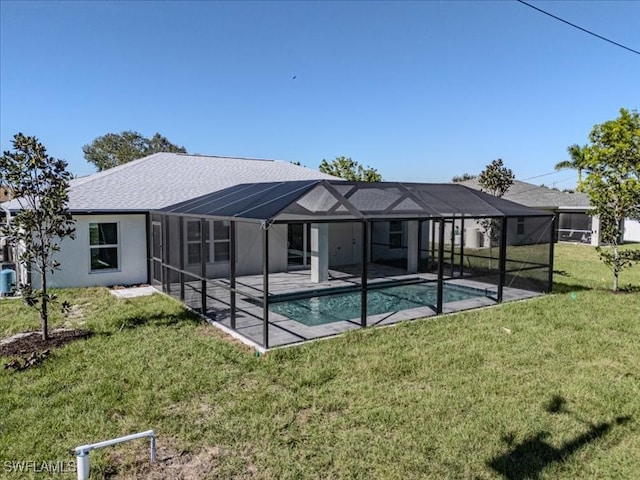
(327, 200)
(164, 179)
(537, 196)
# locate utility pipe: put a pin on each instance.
(82, 452)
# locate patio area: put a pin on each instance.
(297, 284)
(282, 263)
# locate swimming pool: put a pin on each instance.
(346, 306)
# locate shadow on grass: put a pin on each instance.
(528, 458)
(159, 320)
(559, 287)
(629, 288)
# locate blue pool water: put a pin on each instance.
(346, 306)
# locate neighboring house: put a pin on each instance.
(631, 230)
(573, 222)
(111, 210)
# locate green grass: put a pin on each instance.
(579, 266)
(547, 388)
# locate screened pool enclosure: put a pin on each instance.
(285, 262)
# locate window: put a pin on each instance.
(220, 244)
(298, 244)
(520, 228)
(221, 241)
(103, 244)
(395, 234)
(194, 242)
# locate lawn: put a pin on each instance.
(544, 389)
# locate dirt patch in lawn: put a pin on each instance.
(175, 464)
(30, 349)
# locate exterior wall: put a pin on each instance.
(219, 269)
(75, 258)
(631, 230)
(345, 244)
(380, 249)
(595, 231)
(249, 252)
(344, 247)
(476, 237)
(536, 230)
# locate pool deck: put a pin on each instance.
(284, 331)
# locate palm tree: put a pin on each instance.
(576, 152)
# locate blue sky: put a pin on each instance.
(422, 91)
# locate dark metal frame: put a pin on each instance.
(363, 282)
(440, 222)
(265, 285)
(551, 247)
(232, 274)
(503, 258)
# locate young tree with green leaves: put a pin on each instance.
(115, 149)
(39, 183)
(345, 167)
(495, 179)
(612, 163)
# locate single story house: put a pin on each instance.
(278, 253)
(573, 221)
(111, 210)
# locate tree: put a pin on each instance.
(39, 183)
(495, 179)
(612, 162)
(114, 149)
(463, 178)
(349, 169)
(576, 162)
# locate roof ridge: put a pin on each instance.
(225, 157)
(104, 173)
(109, 171)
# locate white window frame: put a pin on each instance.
(220, 241)
(210, 242)
(96, 247)
(188, 242)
